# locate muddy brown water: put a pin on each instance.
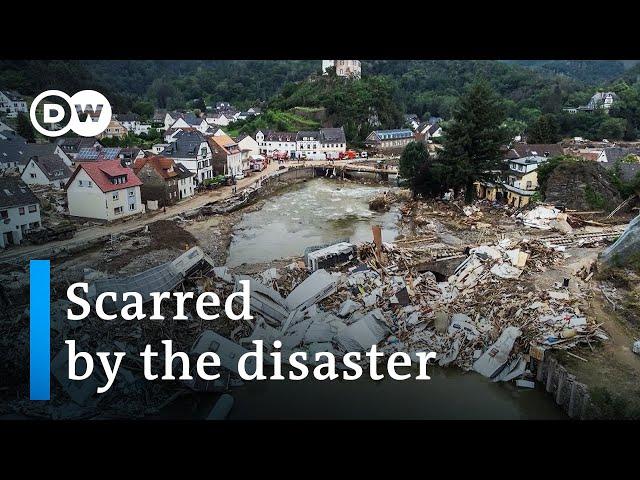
(322, 211)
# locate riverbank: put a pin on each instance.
(441, 232)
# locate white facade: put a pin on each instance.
(268, 147)
(33, 175)
(221, 120)
(15, 222)
(248, 143)
(201, 164)
(168, 121)
(185, 187)
(181, 123)
(12, 106)
(158, 147)
(234, 164)
(308, 146)
(87, 200)
(136, 127)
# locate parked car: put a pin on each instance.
(364, 154)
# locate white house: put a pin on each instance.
(332, 141)
(170, 118)
(308, 144)
(190, 121)
(12, 103)
(247, 142)
(270, 142)
(104, 190)
(46, 170)
(185, 181)
(132, 123)
(429, 130)
(159, 147)
(19, 211)
(221, 119)
(191, 148)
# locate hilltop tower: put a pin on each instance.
(344, 68)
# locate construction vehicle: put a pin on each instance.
(61, 231)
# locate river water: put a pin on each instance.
(323, 211)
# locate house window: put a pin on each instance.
(33, 208)
(115, 195)
(21, 210)
(132, 206)
(117, 210)
(80, 183)
(4, 214)
(32, 175)
(132, 193)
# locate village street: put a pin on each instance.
(22, 254)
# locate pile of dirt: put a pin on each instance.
(168, 234)
(581, 186)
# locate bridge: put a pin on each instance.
(382, 173)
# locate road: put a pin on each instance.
(24, 253)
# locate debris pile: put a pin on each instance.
(383, 201)
(488, 316)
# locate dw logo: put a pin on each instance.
(86, 102)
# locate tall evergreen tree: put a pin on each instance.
(472, 140)
(413, 158)
(544, 130)
(25, 129)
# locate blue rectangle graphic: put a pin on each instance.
(39, 330)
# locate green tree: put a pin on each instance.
(25, 129)
(199, 104)
(612, 128)
(472, 141)
(413, 157)
(544, 129)
(513, 127)
(142, 108)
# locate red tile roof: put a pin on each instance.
(103, 171)
(162, 165)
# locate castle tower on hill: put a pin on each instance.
(344, 68)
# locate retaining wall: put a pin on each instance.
(572, 396)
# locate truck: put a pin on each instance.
(349, 154)
(51, 233)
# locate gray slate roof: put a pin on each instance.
(182, 171)
(616, 153)
(307, 133)
(627, 171)
(15, 193)
(332, 135)
(187, 145)
(19, 151)
(53, 167)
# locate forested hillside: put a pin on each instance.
(533, 92)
